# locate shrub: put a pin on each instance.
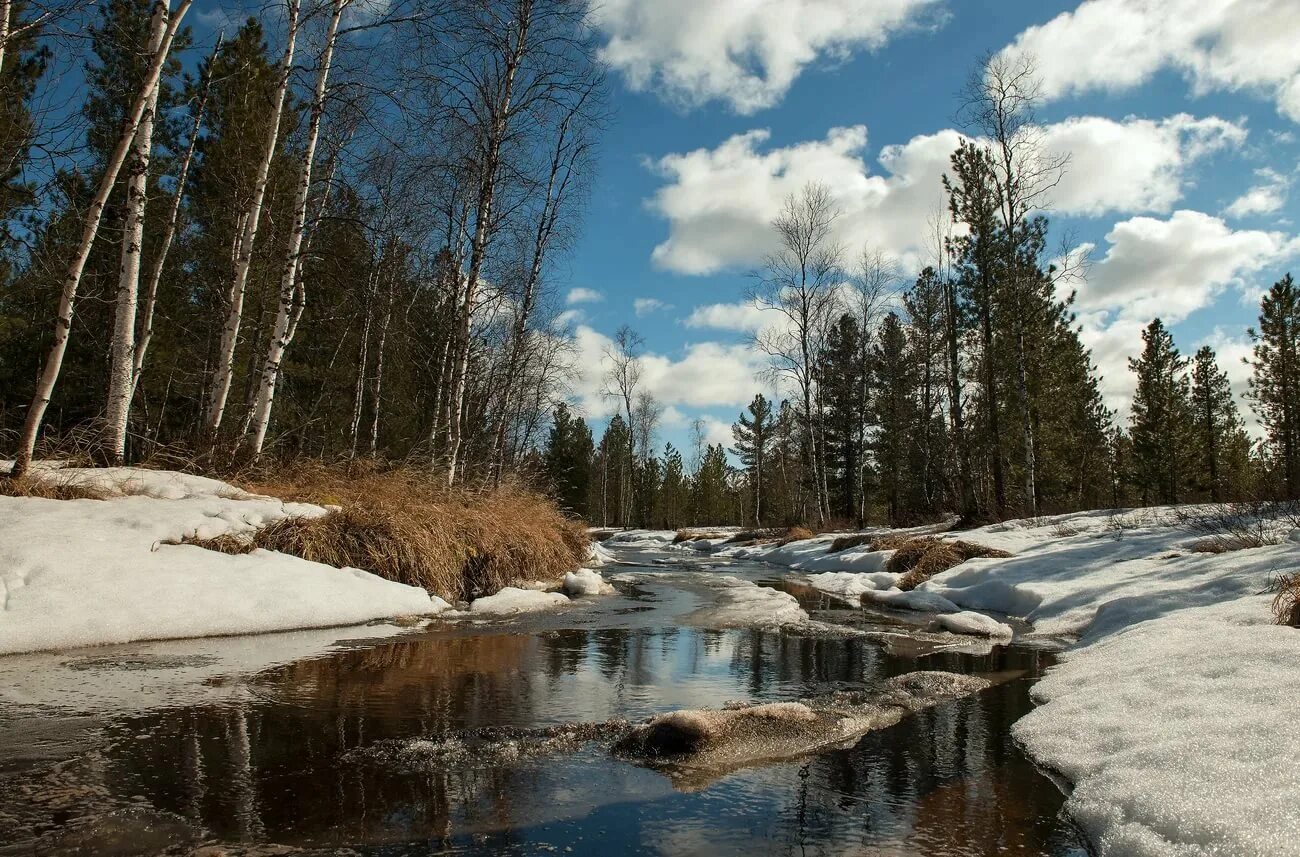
(1286, 604)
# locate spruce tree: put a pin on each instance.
(710, 489)
(567, 459)
(1275, 381)
(1161, 421)
(893, 413)
(753, 436)
(673, 502)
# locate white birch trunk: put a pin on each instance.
(289, 284)
(90, 229)
(155, 274)
(121, 371)
(235, 299)
(6, 12)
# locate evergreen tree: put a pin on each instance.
(753, 436)
(609, 473)
(842, 388)
(710, 491)
(925, 336)
(893, 415)
(674, 502)
(1275, 381)
(1161, 422)
(567, 459)
(1218, 428)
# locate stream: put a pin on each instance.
(484, 737)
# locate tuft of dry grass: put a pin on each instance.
(1227, 542)
(47, 486)
(796, 534)
(406, 526)
(843, 543)
(920, 558)
(1286, 604)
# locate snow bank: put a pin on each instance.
(89, 572)
(512, 600)
(975, 624)
(1179, 734)
(584, 581)
(598, 555)
(915, 599)
(851, 585)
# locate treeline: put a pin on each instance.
(969, 391)
(890, 452)
(331, 230)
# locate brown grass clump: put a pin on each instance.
(1286, 605)
(920, 559)
(843, 543)
(1227, 542)
(48, 487)
(796, 534)
(405, 526)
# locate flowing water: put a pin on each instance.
(467, 738)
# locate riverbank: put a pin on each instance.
(1172, 709)
(136, 554)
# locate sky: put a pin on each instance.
(1181, 119)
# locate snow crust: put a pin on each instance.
(584, 581)
(91, 572)
(744, 604)
(512, 600)
(976, 624)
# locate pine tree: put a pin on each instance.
(1275, 381)
(925, 336)
(674, 500)
(1161, 422)
(710, 490)
(567, 459)
(753, 436)
(1218, 426)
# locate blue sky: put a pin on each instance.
(1182, 119)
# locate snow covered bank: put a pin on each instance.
(512, 600)
(584, 581)
(89, 572)
(1174, 714)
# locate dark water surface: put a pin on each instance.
(315, 755)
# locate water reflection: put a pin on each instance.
(281, 768)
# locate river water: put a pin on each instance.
(461, 739)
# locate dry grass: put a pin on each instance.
(920, 558)
(405, 526)
(796, 534)
(688, 535)
(49, 487)
(843, 543)
(1286, 604)
(1227, 542)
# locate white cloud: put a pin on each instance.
(745, 316)
(741, 52)
(583, 296)
(705, 374)
(719, 202)
(718, 431)
(1168, 268)
(1265, 197)
(1218, 45)
(568, 318)
(646, 306)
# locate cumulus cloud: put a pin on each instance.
(739, 52)
(646, 306)
(1168, 268)
(583, 296)
(1217, 45)
(703, 374)
(568, 318)
(1264, 197)
(745, 316)
(719, 202)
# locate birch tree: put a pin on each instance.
(49, 374)
(225, 364)
(289, 284)
(121, 373)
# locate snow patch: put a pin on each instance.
(975, 624)
(512, 600)
(584, 581)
